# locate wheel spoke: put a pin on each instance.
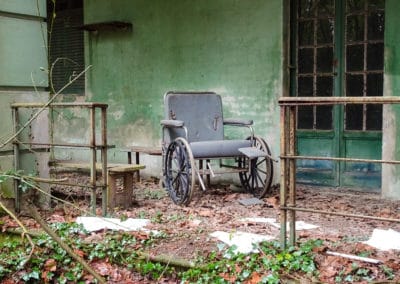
(258, 179)
(262, 171)
(261, 161)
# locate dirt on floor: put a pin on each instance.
(187, 229)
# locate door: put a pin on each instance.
(337, 50)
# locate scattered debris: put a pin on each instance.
(218, 210)
(243, 241)
(251, 201)
(355, 257)
(93, 224)
(300, 225)
(384, 239)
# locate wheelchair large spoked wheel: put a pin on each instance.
(259, 177)
(179, 176)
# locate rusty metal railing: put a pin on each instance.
(288, 157)
(92, 145)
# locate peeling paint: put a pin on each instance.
(391, 127)
(179, 47)
(117, 114)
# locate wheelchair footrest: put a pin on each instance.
(252, 152)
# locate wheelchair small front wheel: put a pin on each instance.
(179, 175)
(257, 180)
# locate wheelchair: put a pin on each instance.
(193, 130)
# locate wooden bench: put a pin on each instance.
(137, 150)
(125, 172)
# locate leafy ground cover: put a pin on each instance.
(134, 257)
(118, 256)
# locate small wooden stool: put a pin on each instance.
(121, 198)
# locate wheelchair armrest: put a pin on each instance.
(172, 123)
(238, 122)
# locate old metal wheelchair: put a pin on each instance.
(193, 129)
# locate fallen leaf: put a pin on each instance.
(206, 213)
(79, 252)
(254, 278)
(273, 201)
(50, 265)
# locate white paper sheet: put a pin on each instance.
(243, 241)
(97, 223)
(384, 239)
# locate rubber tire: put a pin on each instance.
(179, 176)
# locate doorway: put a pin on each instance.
(337, 49)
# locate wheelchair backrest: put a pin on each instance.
(201, 113)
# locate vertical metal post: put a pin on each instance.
(292, 174)
(93, 160)
(17, 191)
(208, 177)
(104, 160)
(51, 132)
(201, 168)
(283, 215)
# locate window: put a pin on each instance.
(325, 29)
(66, 44)
(315, 51)
(364, 30)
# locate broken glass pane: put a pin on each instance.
(376, 25)
(354, 85)
(355, 57)
(375, 56)
(355, 28)
(306, 33)
(306, 60)
(324, 59)
(325, 31)
(307, 8)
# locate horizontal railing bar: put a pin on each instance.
(58, 105)
(301, 101)
(340, 214)
(72, 145)
(340, 159)
(219, 172)
(75, 184)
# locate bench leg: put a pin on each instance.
(112, 189)
(137, 173)
(137, 161)
(128, 189)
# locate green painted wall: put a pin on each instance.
(24, 7)
(391, 126)
(24, 39)
(23, 34)
(232, 47)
